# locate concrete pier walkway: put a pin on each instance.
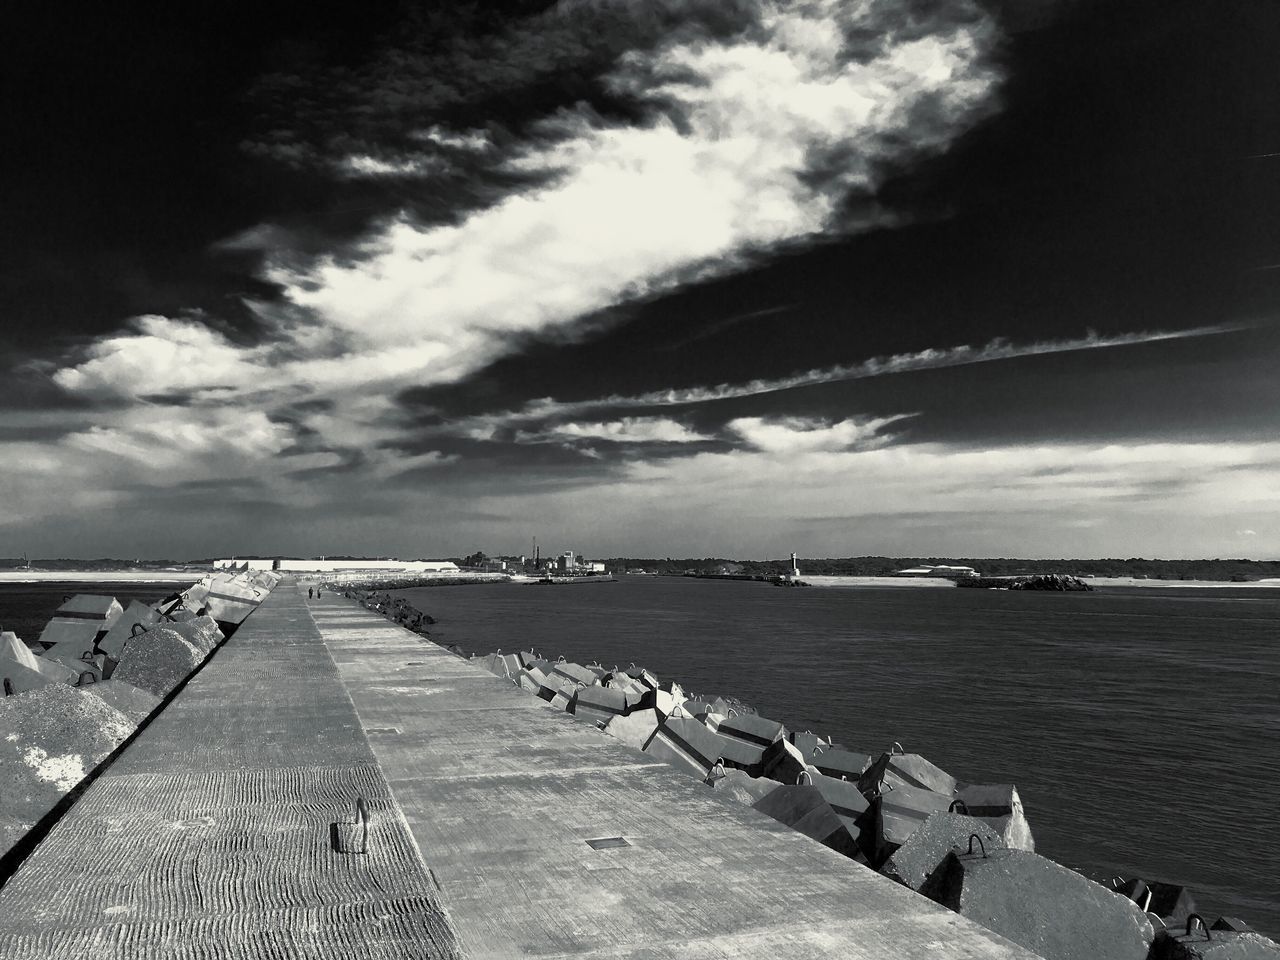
(213, 833)
(504, 793)
(500, 828)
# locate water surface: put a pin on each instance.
(1141, 726)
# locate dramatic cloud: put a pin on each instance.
(748, 133)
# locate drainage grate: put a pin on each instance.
(608, 843)
(416, 663)
(391, 730)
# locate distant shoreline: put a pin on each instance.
(851, 582)
(100, 576)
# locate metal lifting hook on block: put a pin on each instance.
(1193, 920)
(982, 846)
(958, 806)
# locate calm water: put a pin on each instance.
(1142, 727)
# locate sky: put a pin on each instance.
(672, 278)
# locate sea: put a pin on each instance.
(25, 608)
(1141, 725)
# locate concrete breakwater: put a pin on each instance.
(96, 675)
(1057, 582)
(965, 846)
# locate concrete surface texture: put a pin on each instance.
(212, 834)
(549, 838)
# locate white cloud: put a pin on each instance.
(934, 358)
(364, 165)
(1165, 499)
(474, 140)
(159, 355)
(795, 435)
(626, 430)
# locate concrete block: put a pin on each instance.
(841, 763)
(804, 809)
(53, 736)
(906, 769)
(846, 802)
(575, 673)
(71, 632)
(72, 655)
(634, 729)
(743, 787)
(926, 848)
(898, 813)
(497, 664)
(134, 702)
(752, 729)
(1040, 905)
(689, 744)
(1172, 903)
(230, 600)
(17, 678)
(1000, 806)
(137, 613)
(809, 743)
(91, 606)
(697, 709)
(782, 761)
(1226, 939)
(598, 704)
(157, 661)
(531, 679)
(665, 703)
(12, 648)
(203, 633)
(554, 685)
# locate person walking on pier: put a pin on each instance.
(310, 593)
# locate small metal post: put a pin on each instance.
(362, 814)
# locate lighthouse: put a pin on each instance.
(794, 572)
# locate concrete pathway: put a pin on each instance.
(213, 834)
(504, 796)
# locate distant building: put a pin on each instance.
(341, 566)
(941, 570)
(567, 561)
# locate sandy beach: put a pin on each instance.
(100, 576)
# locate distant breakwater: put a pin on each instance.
(1056, 582)
(958, 843)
